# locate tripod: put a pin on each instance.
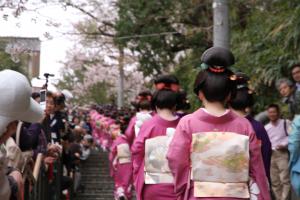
(47, 75)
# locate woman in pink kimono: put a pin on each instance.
(214, 153)
(120, 158)
(142, 104)
(107, 121)
(97, 134)
(152, 177)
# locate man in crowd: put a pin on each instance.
(277, 130)
(295, 70)
(290, 95)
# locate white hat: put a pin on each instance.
(15, 101)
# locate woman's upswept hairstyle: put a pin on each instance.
(165, 95)
(215, 80)
(142, 101)
(244, 95)
(183, 102)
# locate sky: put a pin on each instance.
(33, 23)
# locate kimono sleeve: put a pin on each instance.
(130, 134)
(266, 149)
(112, 157)
(179, 158)
(258, 179)
(138, 150)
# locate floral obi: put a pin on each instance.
(220, 164)
(156, 164)
(123, 153)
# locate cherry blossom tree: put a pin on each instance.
(96, 58)
(85, 69)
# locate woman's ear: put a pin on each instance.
(228, 98)
(201, 95)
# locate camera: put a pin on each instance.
(43, 99)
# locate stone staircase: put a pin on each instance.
(95, 178)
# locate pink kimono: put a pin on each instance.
(121, 165)
(97, 129)
(108, 135)
(104, 133)
(130, 134)
(130, 131)
(151, 129)
(217, 158)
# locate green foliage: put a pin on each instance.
(265, 38)
(186, 72)
(96, 93)
(158, 30)
(265, 41)
(161, 30)
(6, 61)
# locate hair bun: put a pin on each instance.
(168, 79)
(169, 82)
(218, 56)
(242, 78)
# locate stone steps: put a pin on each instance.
(95, 178)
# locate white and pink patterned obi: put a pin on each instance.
(123, 153)
(156, 164)
(220, 164)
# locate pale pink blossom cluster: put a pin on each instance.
(103, 67)
(96, 56)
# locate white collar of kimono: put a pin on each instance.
(205, 110)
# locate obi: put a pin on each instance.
(123, 153)
(220, 164)
(156, 164)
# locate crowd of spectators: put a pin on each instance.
(34, 138)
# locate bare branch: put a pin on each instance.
(102, 32)
(106, 23)
(69, 3)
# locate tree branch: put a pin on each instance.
(69, 3)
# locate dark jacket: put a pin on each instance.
(266, 147)
(293, 102)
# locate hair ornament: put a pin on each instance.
(204, 66)
(173, 86)
(141, 98)
(241, 86)
(216, 69)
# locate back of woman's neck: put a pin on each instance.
(215, 108)
(239, 113)
(166, 114)
(145, 111)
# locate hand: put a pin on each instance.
(77, 155)
(18, 178)
(49, 160)
(281, 147)
(54, 148)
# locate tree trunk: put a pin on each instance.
(221, 23)
(121, 78)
